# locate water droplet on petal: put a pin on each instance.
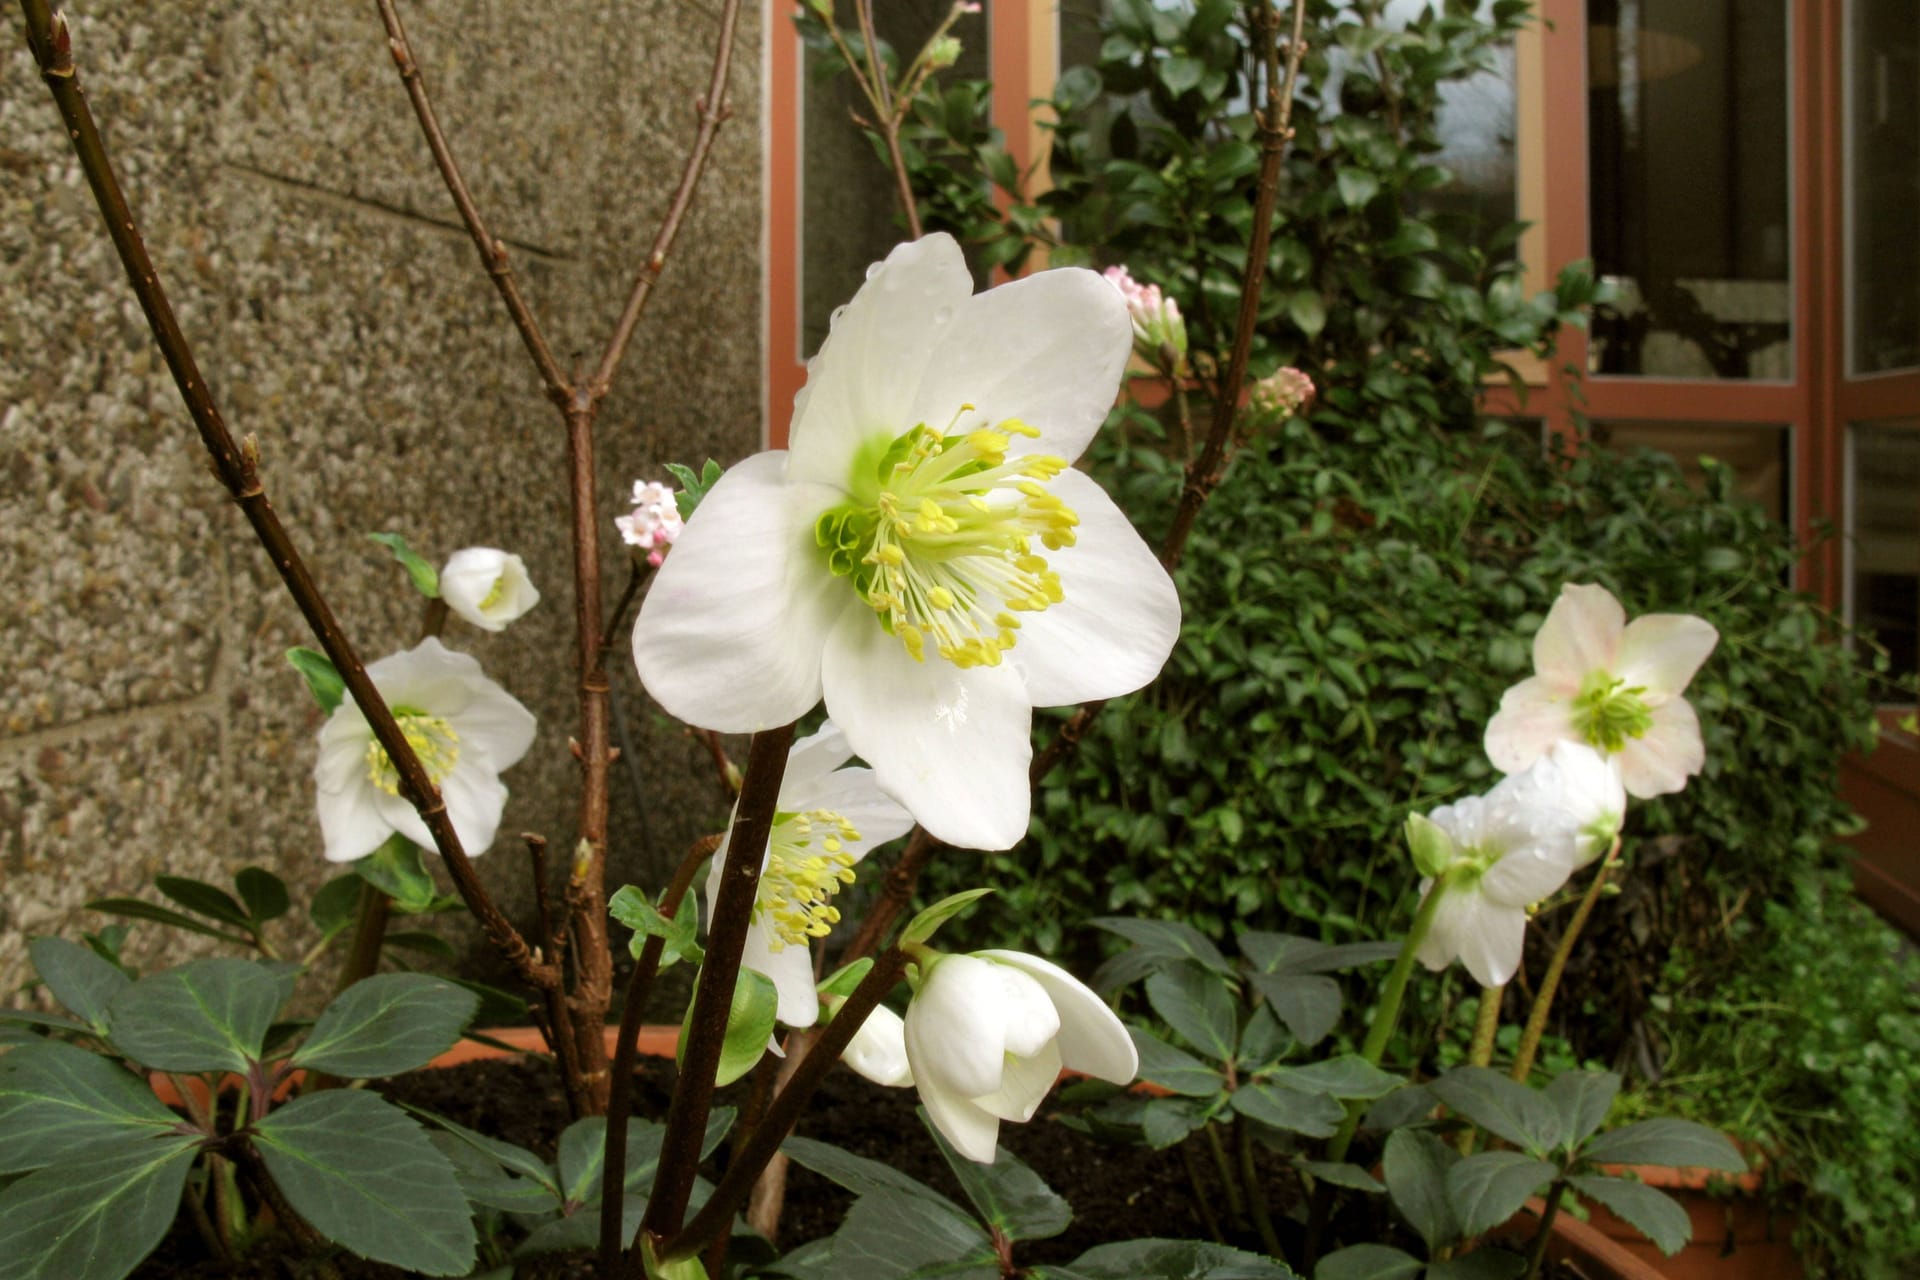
(874, 269)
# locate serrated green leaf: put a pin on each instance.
(1342, 1174)
(860, 1175)
(1416, 1164)
(1582, 1099)
(97, 1213)
(1199, 1006)
(1347, 1076)
(1653, 1213)
(1502, 1107)
(1680, 1144)
(56, 1098)
(323, 680)
(678, 935)
(1167, 940)
(1367, 1262)
(923, 926)
(1175, 1069)
(1309, 1003)
(1011, 1198)
(1166, 1260)
(397, 869)
(387, 1024)
(335, 904)
(78, 978)
(425, 578)
(1315, 1114)
(264, 893)
(889, 1235)
(368, 1179)
(1487, 1189)
(209, 1015)
(1488, 1262)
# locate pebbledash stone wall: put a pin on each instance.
(148, 722)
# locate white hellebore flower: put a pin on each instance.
(924, 557)
(878, 1049)
(987, 1035)
(1611, 684)
(487, 587)
(465, 728)
(1501, 852)
(826, 819)
(1591, 791)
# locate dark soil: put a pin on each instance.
(1117, 1192)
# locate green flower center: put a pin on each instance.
(938, 538)
(796, 891)
(1607, 713)
(431, 738)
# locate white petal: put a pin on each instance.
(1581, 634)
(956, 1029)
(973, 1132)
(791, 969)
(855, 795)
(1024, 1085)
(814, 756)
(1027, 1012)
(1533, 715)
(878, 1049)
(1120, 616)
(729, 636)
(342, 762)
(1047, 349)
(1092, 1039)
(472, 574)
(475, 800)
(861, 383)
(950, 745)
(1660, 652)
(429, 676)
(1530, 874)
(405, 820)
(1660, 761)
(1485, 937)
(351, 824)
(495, 725)
(1594, 795)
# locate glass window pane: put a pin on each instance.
(847, 206)
(1687, 130)
(1883, 543)
(1883, 128)
(1757, 454)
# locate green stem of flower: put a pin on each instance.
(1543, 1002)
(1236, 1203)
(1486, 1028)
(1538, 1253)
(1201, 1200)
(713, 996)
(1256, 1194)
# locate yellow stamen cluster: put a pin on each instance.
(798, 884)
(950, 557)
(431, 738)
(494, 593)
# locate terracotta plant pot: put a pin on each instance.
(1735, 1235)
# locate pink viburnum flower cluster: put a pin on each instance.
(654, 523)
(1156, 317)
(1284, 392)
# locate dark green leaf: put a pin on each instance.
(1342, 1174)
(78, 978)
(96, 1214)
(425, 578)
(860, 1175)
(1502, 1107)
(1347, 1076)
(396, 869)
(1307, 311)
(1679, 1143)
(386, 1024)
(210, 1015)
(889, 1235)
(1367, 1262)
(368, 1179)
(1262, 1039)
(1357, 186)
(264, 893)
(1011, 1197)
(56, 1098)
(34, 1018)
(1487, 1262)
(1175, 1069)
(334, 906)
(483, 1181)
(512, 1159)
(1198, 1005)
(923, 926)
(1314, 1114)
(1487, 1189)
(1653, 1213)
(1180, 74)
(1166, 1260)
(138, 909)
(418, 940)
(323, 682)
(1582, 1098)
(1416, 1165)
(1168, 940)
(1308, 1003)
(205, 899)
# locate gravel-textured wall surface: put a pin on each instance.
(148, 722)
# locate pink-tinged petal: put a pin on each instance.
(1660, 652)
(973, 1131)
(1581, 634)
(475, 800)
(951, 745)
(1660, 761)
(1533, 715)
(855, 795)
(1048, 349)
(813, 757)
(1023, 1086)
(878, 1050)
(1120, 616)
(1092, 1039)
(730, 634)
(956, 1029)
(351, 824)
(861, 384)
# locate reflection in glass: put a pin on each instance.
(1687, 129)
(1883, 140)
(847, 207)
(1883, 544)
(1757, 454)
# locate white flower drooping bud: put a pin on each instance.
(487, 587)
